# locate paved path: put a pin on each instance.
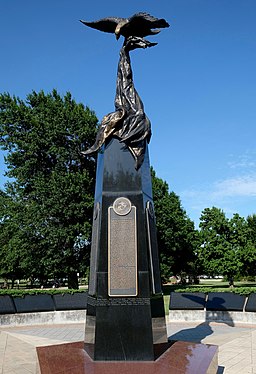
(237, 345)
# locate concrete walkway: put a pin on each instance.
(237, 345)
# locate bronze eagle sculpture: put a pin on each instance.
(140, 25)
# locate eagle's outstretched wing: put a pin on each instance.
(140, 24)
(146, 20)
(108, 24)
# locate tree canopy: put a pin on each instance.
(226, 245)
(48, 202)
(177, 236)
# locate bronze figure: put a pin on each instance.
(140, 24)
(129, 122)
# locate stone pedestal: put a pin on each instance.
(125, 310)
(179, 358)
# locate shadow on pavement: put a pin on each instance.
(194, 334)
(200, 332)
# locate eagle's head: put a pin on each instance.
(119, 27)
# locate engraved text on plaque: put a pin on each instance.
(122, 249)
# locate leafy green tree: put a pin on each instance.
(23, 253)
(222, 242)
(176, 233)
(251, 221)
(10, 251)
(52, 183)
(248, 255)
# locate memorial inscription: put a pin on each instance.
(122, 249)
(117, 301)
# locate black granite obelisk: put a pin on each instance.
(125, 310)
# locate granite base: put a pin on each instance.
(175, 358)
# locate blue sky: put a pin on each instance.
(198, 85)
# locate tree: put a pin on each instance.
(248, 255)
(176, 233)
(52, 183)
(10, 253)
(222, 242)
(251, 221)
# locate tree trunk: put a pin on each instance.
(13, 280)
(73, 280)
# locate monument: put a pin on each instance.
(125, 310)
(125, 327)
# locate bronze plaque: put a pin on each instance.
(122, 249)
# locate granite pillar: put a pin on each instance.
(125, 310)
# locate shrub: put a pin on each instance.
(23, 293)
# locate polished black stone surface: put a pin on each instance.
(157, 306)
(123, 328)
(251, 303)
(6, 305)
(34, 303)
(70, 302)
(187, 300)
(225, 301)
(122, 333)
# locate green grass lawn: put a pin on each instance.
(221, 283)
